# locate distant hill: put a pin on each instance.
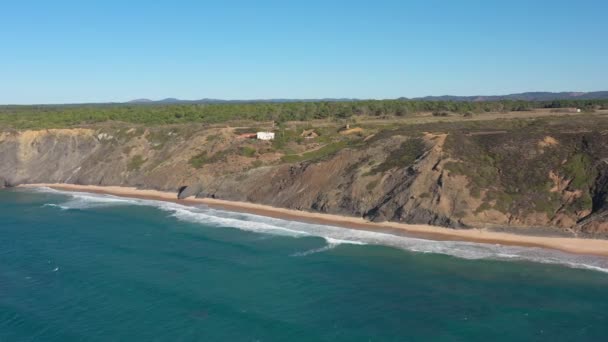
(140, 101)
(218, 101)
(529, 96)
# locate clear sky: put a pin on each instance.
(96, 51)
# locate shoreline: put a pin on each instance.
(594, 247)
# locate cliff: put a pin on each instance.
(521, 176)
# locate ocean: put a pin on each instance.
(85, 267)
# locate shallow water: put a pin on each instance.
(95, 267)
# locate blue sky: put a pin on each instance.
(97, 51)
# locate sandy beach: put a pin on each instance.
(572, 245)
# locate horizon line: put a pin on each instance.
(175, 100)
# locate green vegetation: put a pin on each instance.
(284, 136)
(585, 202)
(202, 158)
(54, 116)
(158, 139)
(247, 151)
(404, 156)
(504, 201)
(321, 153)
(199, 160)
(513, 173)
(483, 207)
(481, 175)
(549, 206)
(135, 163)
(578, 167)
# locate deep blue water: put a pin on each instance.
(97, 268)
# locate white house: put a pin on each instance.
(265, 135)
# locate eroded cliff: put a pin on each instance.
(552, 176)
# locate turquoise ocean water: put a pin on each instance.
(82, 267)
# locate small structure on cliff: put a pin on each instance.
(265, 135)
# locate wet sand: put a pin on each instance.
(566, 244)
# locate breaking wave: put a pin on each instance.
(334, 236)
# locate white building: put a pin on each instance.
(265, 135)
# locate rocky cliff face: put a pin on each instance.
(514, 178)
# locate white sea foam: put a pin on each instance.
(314, 250)
(52, 205)
(85, 200)
(335, 236)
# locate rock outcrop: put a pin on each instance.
(189, 191)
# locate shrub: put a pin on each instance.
(578, 168)
(135, 163)
(199, 160)
(404, 156)
(247, 151)
(321, 153)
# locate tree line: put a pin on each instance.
(53, 116)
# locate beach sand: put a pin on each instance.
(566, 244)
